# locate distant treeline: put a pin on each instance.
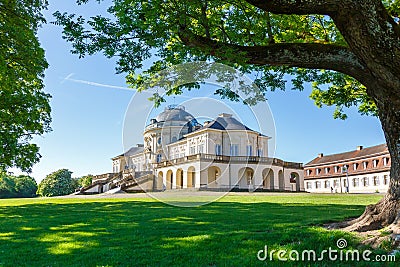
(17, 186)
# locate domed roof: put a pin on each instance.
(174, 113)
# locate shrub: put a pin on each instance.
(58, 183)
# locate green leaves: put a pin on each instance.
(20, 186)
(24, 107)
(163, 30)
(342, 92)
(58, 183)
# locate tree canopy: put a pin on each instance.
(16, 186)
(84, 180)
(271, 39)
(24, 106)
(57, 183)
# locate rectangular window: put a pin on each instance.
(317, 184)
(327, 184)
(385, 180)
(218, 149)
(200, 149)
(317, 171)
(365, 181)
(234, 150)
(249, 150)
(327, 170)
(336, 169)
(309, 172)
(260, 152)
(308, 185)
(335, 183)
(192, 150)
(356, 182)
(376, 180)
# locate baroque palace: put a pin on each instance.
(179, 153)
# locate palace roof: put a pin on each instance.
(350, 155)
(226, 122)
(174, 113)
(132, 151)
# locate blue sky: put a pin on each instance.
(89, 102)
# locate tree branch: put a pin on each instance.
(302, 55)
(298, 7)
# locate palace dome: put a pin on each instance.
(174, 113)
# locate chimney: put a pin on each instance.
(139, 145)
(225, 115)
(320, 155)
(359, 148)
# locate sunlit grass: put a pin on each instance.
(145, 232)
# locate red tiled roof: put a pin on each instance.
(365, 152)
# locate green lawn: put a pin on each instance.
(145, 232)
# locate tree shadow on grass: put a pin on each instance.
(143, 233)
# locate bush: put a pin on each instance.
(58, 183)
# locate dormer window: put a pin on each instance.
(365, 165)
(385, 161)
(375, 162)
(355, 166)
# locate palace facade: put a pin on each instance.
(180, 153)
(364, 170)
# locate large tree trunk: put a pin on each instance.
(387, 211)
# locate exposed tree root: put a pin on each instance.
(384, 215)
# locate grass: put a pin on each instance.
(145, 232)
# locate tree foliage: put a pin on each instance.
(24, 106)
(58, 183)
(85, 180)
(17, 186)
(185, 31)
